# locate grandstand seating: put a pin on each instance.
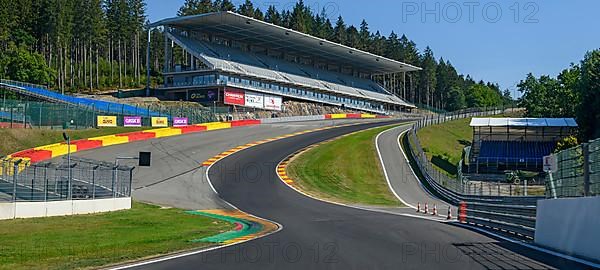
(514, 152)
(237, 61)
(99, 105)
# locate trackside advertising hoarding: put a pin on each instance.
(132, 121)
(107, 121)
(254, 100)
(234, 97)
(160, 122)
(180, 121)
(273, 103)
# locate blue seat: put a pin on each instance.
(515, 152)
(103, 106)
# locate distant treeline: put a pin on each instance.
(76, 45)
(575, 92)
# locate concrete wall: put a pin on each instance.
(570, 226)
(61, 208)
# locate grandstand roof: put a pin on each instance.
(246, 29)
(523, 122)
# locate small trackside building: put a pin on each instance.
(225, 58)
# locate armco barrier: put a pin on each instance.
(505, 213)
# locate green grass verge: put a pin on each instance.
(94, 240)
(344, 170)
(443, 144)
(14, 140)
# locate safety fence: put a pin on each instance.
(577, 172)
(37, 114)
(494, 205)
(460, 184)
(71, 180)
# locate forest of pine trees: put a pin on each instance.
(84, 45)
(73, 45)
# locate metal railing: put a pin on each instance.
(578, 172)
(21, 84)
(83, 180)
(459, 184)
(35, 114)
(501, 207)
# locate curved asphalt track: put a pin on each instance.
(318, 235)
(402, 179)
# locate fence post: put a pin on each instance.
(33, 182)
(114, 179)
(46, 183)
(586, 169)
(130, 182)
(15, 178)
(94, 182)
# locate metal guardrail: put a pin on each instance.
(514, 214)
(42, 182)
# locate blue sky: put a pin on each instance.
(488, 39)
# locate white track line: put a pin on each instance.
(353, 206)
(387, 178)
(185, 254)
(410, 167)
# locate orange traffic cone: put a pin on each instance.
(449, 217)
(426, 210)
(434, 213)
(418, 207)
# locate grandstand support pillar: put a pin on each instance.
(148, 64)
(404, 85)
(166, 58)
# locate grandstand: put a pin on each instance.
(501, 144)
(42, 93)
(212, 57)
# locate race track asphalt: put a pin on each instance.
(319, 235)
(176, 178)
(402, 179)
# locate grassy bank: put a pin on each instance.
(443, 144)
(100, 239)
(14, 140)
(345, 170)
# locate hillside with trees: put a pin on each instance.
(84, 45)
(575, 92)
